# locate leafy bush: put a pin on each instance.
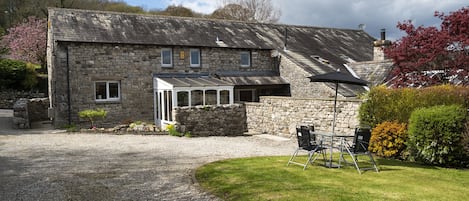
(93, 115)
(388, 139)
(465, 139)
(435, 135)
(172, 130)
(12, 73)
(30, 79)
(18, 75)
(384, 104)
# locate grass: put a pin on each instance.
(268, 178)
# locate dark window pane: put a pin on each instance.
(197, 97)
(246, 96)
(224, 97)
(170, 105)
(245, 59)
(183, 98)
(113, 90)
(100, 90)
(195, 57)
(210, 97)
(166, 57)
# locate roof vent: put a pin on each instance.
(285, 42)
(318, 58)
(220, 43)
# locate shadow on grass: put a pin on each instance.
(384, 164)
(388, 164)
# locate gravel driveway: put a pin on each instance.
(43, 165)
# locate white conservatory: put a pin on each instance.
(172, 91)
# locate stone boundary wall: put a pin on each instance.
(26, 111)
(38, 109)
(225, 120)
(281, 115)
(9, 97)
(21, 114)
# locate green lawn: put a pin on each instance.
(268, 178)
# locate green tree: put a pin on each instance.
(93, 115)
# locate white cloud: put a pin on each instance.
(200, 6)
(375, 14)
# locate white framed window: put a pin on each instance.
(167, 57)
(107, 90)
(224, 97)
(195, 57)
(182, 98)
(245, 59)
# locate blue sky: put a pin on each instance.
(375, 14)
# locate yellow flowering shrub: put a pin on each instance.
(388, 139)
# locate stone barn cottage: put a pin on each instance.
(143, 67)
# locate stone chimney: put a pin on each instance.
(379, 46)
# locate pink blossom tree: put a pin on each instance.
(27, 41)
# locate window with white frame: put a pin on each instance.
(166, 57)
(245, 59)
(182, 98)
(211, 97)
(197, 97)
(195, 57)
(224, 97)
(107, 90)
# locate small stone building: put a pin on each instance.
(142, 67)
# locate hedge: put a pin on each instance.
(12, 73)
(383, 104)
(17, 75)
(435, 135)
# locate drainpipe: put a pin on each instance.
(69, 100)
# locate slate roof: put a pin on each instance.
(373, 71)
(111, 27)
(315, 49)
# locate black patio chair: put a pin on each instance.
(359, 147)
(307, 142)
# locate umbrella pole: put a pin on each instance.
(335, 107)
(333, 125)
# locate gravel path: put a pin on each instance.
(42, 165)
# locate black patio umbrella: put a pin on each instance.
(337, 77)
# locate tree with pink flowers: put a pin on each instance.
(27, 41)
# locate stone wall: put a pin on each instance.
(26, 111)
(37, 108)
(9, 97)
(21, 114)
(281, 115)
(225, 120)
(133, 67)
